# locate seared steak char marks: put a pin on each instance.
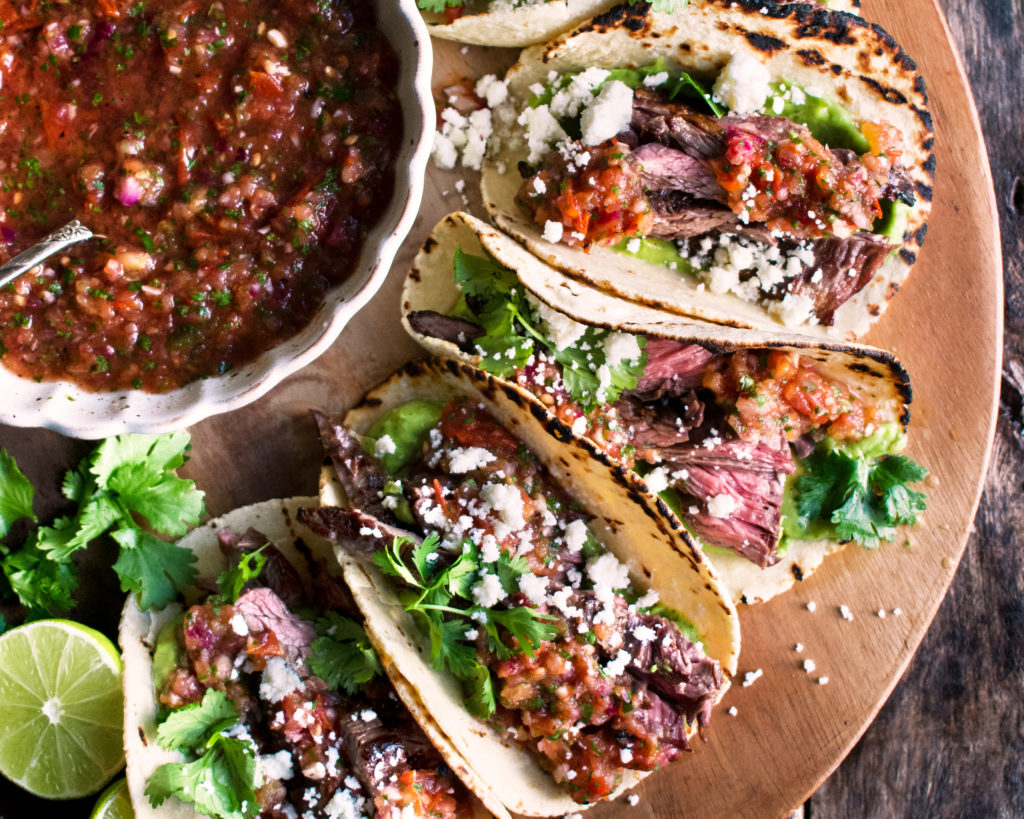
(362, 479)
(460, 332)
(655, 119)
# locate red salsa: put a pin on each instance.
(232, 154)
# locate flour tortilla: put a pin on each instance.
(430, 285)
(627, 522)
(277, 519)
(846, 59)
(536, 22)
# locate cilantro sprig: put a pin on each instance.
(864, 499)
(342, 655)
(441, 598)
(499, 305)
(230, 582)
(127, 488)
(222, 780)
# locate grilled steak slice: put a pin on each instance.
(749, 476)
(665, 168)
(661, 424)
(278, 574)
(687, 679)
(355, 530)
(459, 332)
(675, 124)
(673, 368)
(264, 611)
(361, 476)
(845, 267)
(677, 215)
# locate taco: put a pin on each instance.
(530, 598)
(513, 23)
(745, 435)
(259, 694)
(739, 162)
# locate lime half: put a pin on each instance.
(60, 709)
(114, 803)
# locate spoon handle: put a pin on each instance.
(63, 237)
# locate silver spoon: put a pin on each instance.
(63, 237)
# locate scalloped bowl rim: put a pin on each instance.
(66, 408)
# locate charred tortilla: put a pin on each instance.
(523, 24)
(629, 526)
(430, 287)
(838, 56)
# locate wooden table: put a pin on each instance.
(950, 741)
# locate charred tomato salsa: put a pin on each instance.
(341, 748)
(524, 605)
(233, 156)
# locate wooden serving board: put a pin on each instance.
(789, 732)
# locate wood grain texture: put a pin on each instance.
(950, 740)
(963, 691)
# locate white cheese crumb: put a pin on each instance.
(809, 665)
(541, 130)
(466, 460)
(239, 626)
(609, 114)
(507, 501)
(794, 309)
(534, 587)
(633, 800)
(620, 347)
(488, 592)
(881, 613)
(607, 572)
(553, 231)
(575, 536)
(491, 89)
(277, 38)
(845, 613)
(811, 605)
(626, 756)
(897, 612)
(751, 677)
(822, 680)
(733, 711)
(721, 506)
(277, 766)
(743, 84)
(562, 330)
(579, 425)
(385, 446)
(798, 647)
(617, 666)
(644, 634)
(654, 80)
(278, 680)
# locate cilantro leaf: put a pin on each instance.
(219, 783)
(509, 569)
(192, 726)
(16, 493)
(512, 333)
(231, 581)
(43, 585)
(152, 568)
(480, 701)
(529, 626)
(862, 497)
(342, 655)
(160, 453)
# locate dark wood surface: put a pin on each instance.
(950, 740)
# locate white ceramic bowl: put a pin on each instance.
(68, 409)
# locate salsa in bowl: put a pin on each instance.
(245, 168)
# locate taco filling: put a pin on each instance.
(521, 602)
(760, 188)
(278, 695)
(748, 447)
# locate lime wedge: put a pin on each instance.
(114, 803)
(60, 709)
